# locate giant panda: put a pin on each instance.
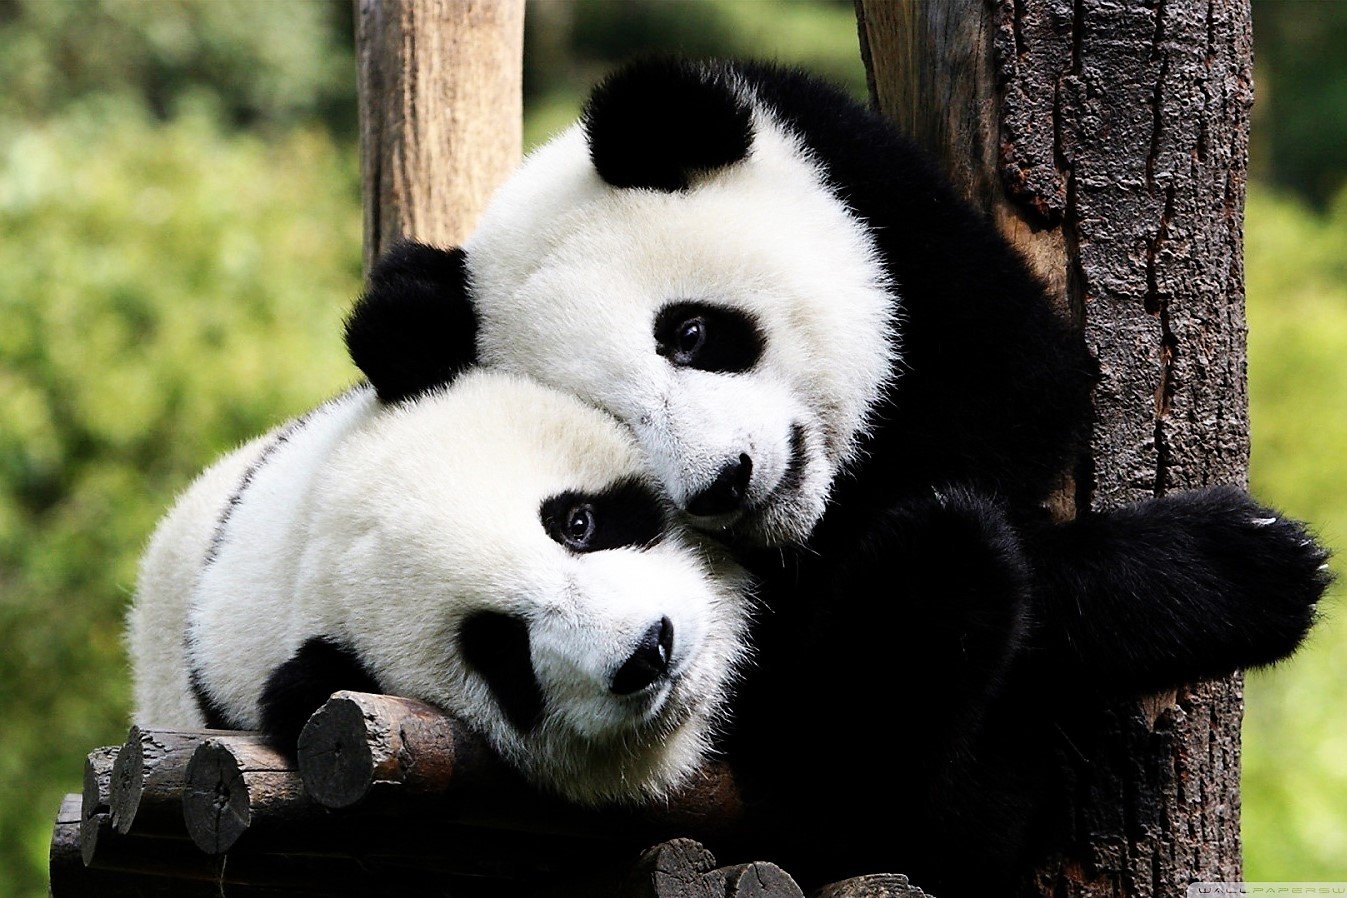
(492, 547)
(845, 373)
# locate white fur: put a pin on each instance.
(384, 528)
(569, 273)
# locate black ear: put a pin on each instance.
(414, 328)
(658, 122)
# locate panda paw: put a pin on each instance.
(1227, 582)
(1275, 570)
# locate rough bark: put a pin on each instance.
(1109, 143)
(440, 113)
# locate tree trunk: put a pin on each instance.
(441, 106)
(1109, 142)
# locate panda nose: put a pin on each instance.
(648, 663)
(726, 493)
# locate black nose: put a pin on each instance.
(648, 663)
(726, 493)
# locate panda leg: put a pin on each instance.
(1172, 590)
(299, 687)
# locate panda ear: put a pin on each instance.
(414, 328)
(659, 122)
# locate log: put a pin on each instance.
(358, 743)
(231, 783)
(95, 820)
(683, 868)
(1109, 142)
(394, 753)
(879, 885)
(441, 111)
(148, 776)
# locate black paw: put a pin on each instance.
(1273, 568)
(1171, 590)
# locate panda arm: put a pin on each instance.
(1171, 590)
(299, 687)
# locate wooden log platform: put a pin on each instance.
(387, 794)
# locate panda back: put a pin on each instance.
(242, 620)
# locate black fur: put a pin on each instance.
(887, 680)
(1171, 591)
(625, 514)
(497, 647)
(414, 329)
(660, 126)
(299, 687)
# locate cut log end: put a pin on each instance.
(94, 817)
(233, 782)
(216, 806)
(335, 759)
(128, 781)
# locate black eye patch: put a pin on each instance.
(708, 338)
(625, 514)
(496, 646)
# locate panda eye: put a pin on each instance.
(626, 514)
(689, 340)
(579, 526)
(708, 337)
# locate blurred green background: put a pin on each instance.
(180, 235)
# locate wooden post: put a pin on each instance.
(441, 107)
(1109, 142)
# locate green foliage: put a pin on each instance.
(163, 297)
(255, 61)
(1300, 123)
(1295, 750)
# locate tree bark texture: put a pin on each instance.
(1108, 140)
(441, 107)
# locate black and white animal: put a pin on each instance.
(493, 547)
(835, 363)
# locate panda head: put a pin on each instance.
(495, 548)
(678, 259)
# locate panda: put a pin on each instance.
(491, 546)
(842, 371)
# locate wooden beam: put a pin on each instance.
(441, 106)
